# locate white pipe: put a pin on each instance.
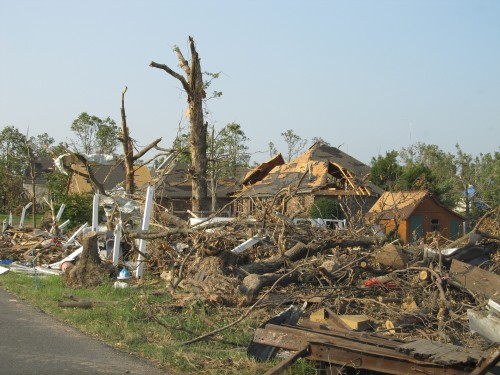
(71, 257)
(60, 212)
(64, 224)
(95, 212)
(76, 234)
(10, 218)
(145, 226)
(116, 245)
(247, 244)
(25, 208)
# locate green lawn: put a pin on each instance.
(28, 219)
(146, 320)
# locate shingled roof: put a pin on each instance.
(321, 168)
(109, 175)
(401, 205)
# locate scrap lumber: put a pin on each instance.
(372, 352)
(475, 279)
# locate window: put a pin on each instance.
(434, 225)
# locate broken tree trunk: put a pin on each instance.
(194, 89)
(300, 251)
(89, 271)
(252, 284)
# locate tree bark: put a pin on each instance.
(127, 150)
(198, 129)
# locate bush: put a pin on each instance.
(325, 208)
(78, 209)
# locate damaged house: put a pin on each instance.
(174, 190)
(108, 175)
(414, 214)
(293, 188)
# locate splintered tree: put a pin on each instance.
(128, 149)
(194, 88)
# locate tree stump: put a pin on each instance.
(89, 271)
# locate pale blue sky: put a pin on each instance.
(370, 75)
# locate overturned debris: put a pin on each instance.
(340, 349)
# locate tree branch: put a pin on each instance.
(146, 149)
(183, 62)
(185, 85)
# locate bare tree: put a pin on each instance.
(295, 143)
(194, 88)
(128, 150)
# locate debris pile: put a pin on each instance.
(426, 291)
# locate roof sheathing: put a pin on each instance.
(309, 172)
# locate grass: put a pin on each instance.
(144, 320)
(28, 219)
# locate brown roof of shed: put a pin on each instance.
(401, 204)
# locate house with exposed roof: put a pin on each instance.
(174, 190)
(108, 175)
(320, 172)
(414, 214)
(42, 167)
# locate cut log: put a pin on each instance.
(392, 256)
(300, 251)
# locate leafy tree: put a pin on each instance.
(78, 209)
(325, 208)
(36, 147)
(417, 176)
(57, 183)
(272, 149)
(94, 135)
(295, 144)
(437, 166)
(13, 150)
(487, 178)
(230, 149)
(386, 171)
(319, 140)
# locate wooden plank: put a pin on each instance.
(475, 279)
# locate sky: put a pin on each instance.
(369, 76)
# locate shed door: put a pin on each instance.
(454, 229)
(416, 228)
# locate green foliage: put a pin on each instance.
(325, 208)
(11, 190)
(319, 140)
(181, 145)
(416, 177)
(385, 170)
(141, 320)
(94, 135)
(487, 178)
(442, 178)
(57, 183)
(228, 151)
(13, 151)
(78, 209)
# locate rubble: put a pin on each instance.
(395, 294)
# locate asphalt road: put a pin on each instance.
(32, 342)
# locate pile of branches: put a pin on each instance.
(322, 267)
